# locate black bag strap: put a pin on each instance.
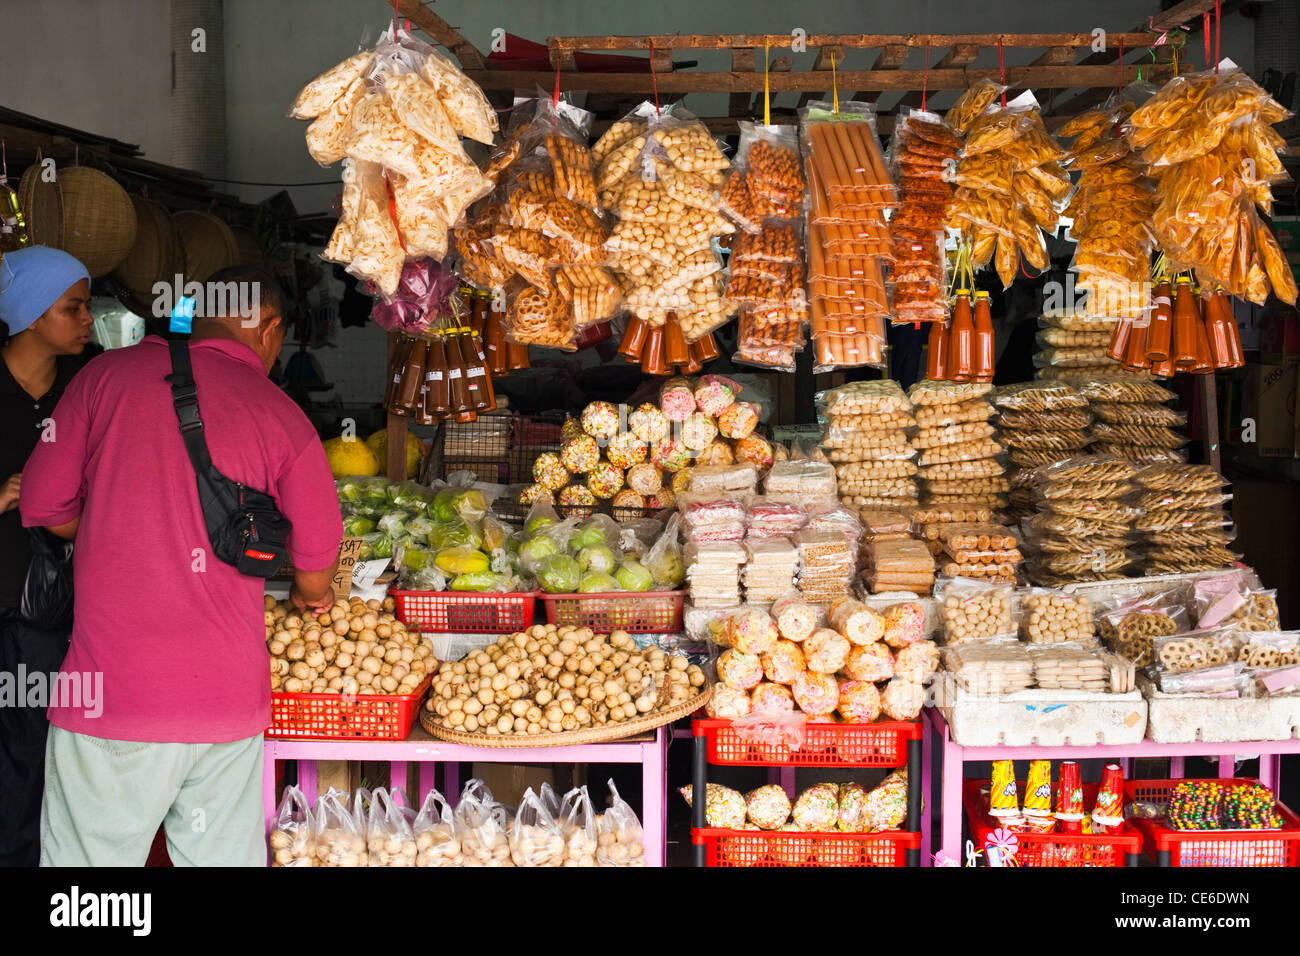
(185, 397)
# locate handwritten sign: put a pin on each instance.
(349, 551)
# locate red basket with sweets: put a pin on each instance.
(1269, 847)
(881, 744)
(769, 848)
(345, 716)
(1123, 847)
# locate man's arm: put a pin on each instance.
(67, 530)
(53, 487)
(306, 495)
(313, 589)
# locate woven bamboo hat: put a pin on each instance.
(208, 243)
(156, 255)
(99, 221)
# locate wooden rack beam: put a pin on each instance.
(727, 41)
(435, 26)
(805, 81)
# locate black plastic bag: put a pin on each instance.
(47, 592)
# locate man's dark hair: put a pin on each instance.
(270, 295)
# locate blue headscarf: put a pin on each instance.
(32, 280)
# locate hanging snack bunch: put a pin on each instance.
(658, 172)
(397, 114)
(866, 664)
(1111, 211)
(1039, 423)
(921, 151)
(956, 466)
(1082, 530)
(1181, 523)
(1009, 180)
(1208, 141)
(765, 197)
(1132, 421)
(866, 437)
(848, 240)
(543, 234)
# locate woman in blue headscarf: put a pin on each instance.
(44, 294)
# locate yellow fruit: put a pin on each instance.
(462, 560)
(350, 457)
(378, 444)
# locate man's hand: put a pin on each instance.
(301, 602)
(9, 493)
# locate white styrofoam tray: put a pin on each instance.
(1199, 718)
(1042, 718)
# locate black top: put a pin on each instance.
(20, 430)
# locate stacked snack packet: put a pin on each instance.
(959, 452)
(1039, 423)
(866, 437)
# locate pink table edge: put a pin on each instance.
(651, 754)
(955, 756)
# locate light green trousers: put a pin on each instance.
(105, 798)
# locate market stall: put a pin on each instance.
(1033, 571)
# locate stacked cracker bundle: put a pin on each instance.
(1039, 423)
(959, 454)
(1083, 526)
(1181, 525)
(866, 438)
(1132, 422)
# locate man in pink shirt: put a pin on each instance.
(175, 635)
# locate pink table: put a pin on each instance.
(649, 750)
(956, 756)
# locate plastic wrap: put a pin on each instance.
(974, 610)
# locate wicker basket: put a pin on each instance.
(208, 243)
(570, 738)
(42, 205)
(156, 255)
(99, 222)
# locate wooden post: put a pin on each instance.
(395, 466)
(1207, 387)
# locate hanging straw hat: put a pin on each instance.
(208, 243)
(156, 255)
(99, 222)
(42, 205)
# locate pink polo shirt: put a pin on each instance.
(177, 634)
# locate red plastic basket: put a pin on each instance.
(645, 612)
(1215, 847)
(882, 744)
(794, 848)
(459, 612)
(1052, 849)
(335, 717)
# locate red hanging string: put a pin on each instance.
(1218, 22)
(1002, 71)
(654, 77)
(1119, 84)
(1205, 31)
(555, 97)
(394, 19)
(4, 163)
(925, 83)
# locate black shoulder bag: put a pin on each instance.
(245, 527)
